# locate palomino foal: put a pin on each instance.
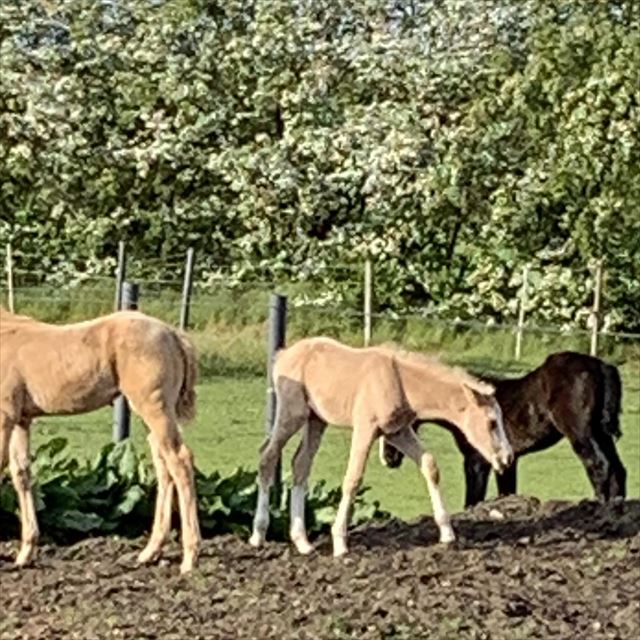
(570, 395)
(376, 391)
(76, 368)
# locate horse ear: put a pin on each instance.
(470, 394)
(476, 396)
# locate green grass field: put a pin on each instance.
(228, 326)
(230, 428)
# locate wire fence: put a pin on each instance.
(228, 315)
(229, 327)
(229, 323)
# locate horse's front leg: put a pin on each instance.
(361, 441)
(408, 443)
(476, 474)
(507, 480)
(21, 477)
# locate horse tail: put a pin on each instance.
(186, 404)
(611, 400)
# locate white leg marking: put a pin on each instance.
(408, 443)
(298, 528)
(361, 441)
(381, 451)
(339, 528)
(261, 520)
(440, 514)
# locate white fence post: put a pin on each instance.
(523, 303)
(595, 313)
(121, 274)
(368, 284)
(185, 304)
(9, 267)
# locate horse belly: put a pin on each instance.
(334, 410)
(531, 429)
(73, 394)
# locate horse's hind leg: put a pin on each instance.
(302, 461)
(616, 482)
(19, 467)
(5, 434)
(407, 441)
(163, 508)
(179, 463)
(292, 414)
(595, 464)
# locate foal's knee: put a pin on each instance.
(19, 468)
(22, 479)
(4, 450)
(300, 466)
(430, 468)
(5, 435)
(618, 483)
(186, 456)
(350, 485)
(267, 465)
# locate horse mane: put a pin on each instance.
(453, 374)
(7, 316)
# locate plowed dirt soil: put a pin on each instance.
(521, 569)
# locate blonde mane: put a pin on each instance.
(8, 321)
(7, 316)
(456, 375)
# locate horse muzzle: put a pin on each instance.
(389, 455)
(502, 460)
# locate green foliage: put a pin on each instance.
(115, 494)
(454, 141)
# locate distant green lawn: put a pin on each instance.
(230, 428)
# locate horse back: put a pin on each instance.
(340, 382)
(74, 368)
(569, 395)
(589, 393)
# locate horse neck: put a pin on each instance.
(430, 396)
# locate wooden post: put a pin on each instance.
(10, 300)
(121, 411)
(186, 290)
(595, 313)
(368, 285)
(521, 311)
(121, 274)
(276, 340)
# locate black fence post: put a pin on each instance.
(186, 290)
(276, 340)
(121, 274)
(121, 411)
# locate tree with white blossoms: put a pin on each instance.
(454, 141)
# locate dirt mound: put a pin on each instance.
(520, 569)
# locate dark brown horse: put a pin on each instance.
(570, 395)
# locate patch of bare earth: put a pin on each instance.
(521, 569)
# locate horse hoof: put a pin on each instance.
(21, 564)
(447, 537)
(304, 547)
(187, 566)
(24, 559)
(256, 540)
(148, 556)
